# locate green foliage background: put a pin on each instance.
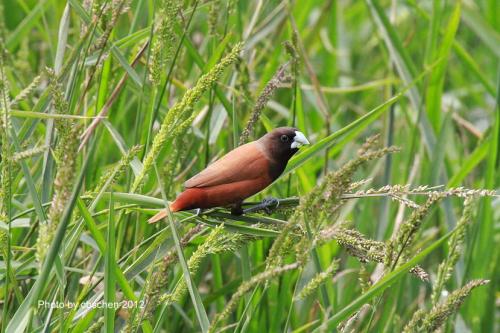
(422, 74)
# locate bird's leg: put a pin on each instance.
(236, 209)
(268, 205)
(198, 211)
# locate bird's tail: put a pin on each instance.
(174, 207)
(158, 216)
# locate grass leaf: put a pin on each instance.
(201, 313)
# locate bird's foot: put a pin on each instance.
(198, 211)
(268, 205)
(237, 210)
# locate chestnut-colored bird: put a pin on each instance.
(240, 173)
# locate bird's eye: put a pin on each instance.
(284, 138)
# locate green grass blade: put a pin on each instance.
(327, 142)
(101, 243)
(382, 284)
(62, 38)
(243, 229)
(466, 58)
(24, 27)
(432, 39)
(405, 67)
(114, 49)
(40, 115)
(201, 313)
(476, 157)
(486, 33)
(29, 180)
(109, 271)
(482, 303)
(22, 315)
(431, 65)
(436, 79)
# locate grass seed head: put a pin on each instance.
(246, 286)
(4, 237)
(213, 17)
(406, 234)
(455, 245)
(217, 241)
(318, 279)
(262, 100)
(6, 150)
(182, 110)
(112, 175)
(29, 153)
(65, 154)
(157, 282)
(163, 47)
(323, 202)
(440, 313)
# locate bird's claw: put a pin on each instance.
(267, 205)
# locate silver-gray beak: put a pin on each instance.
(299, 140)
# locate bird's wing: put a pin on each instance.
(243, 163)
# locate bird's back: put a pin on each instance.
(245, 162)
(238, 175)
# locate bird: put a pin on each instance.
(241, 173)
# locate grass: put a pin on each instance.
(108, 106)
